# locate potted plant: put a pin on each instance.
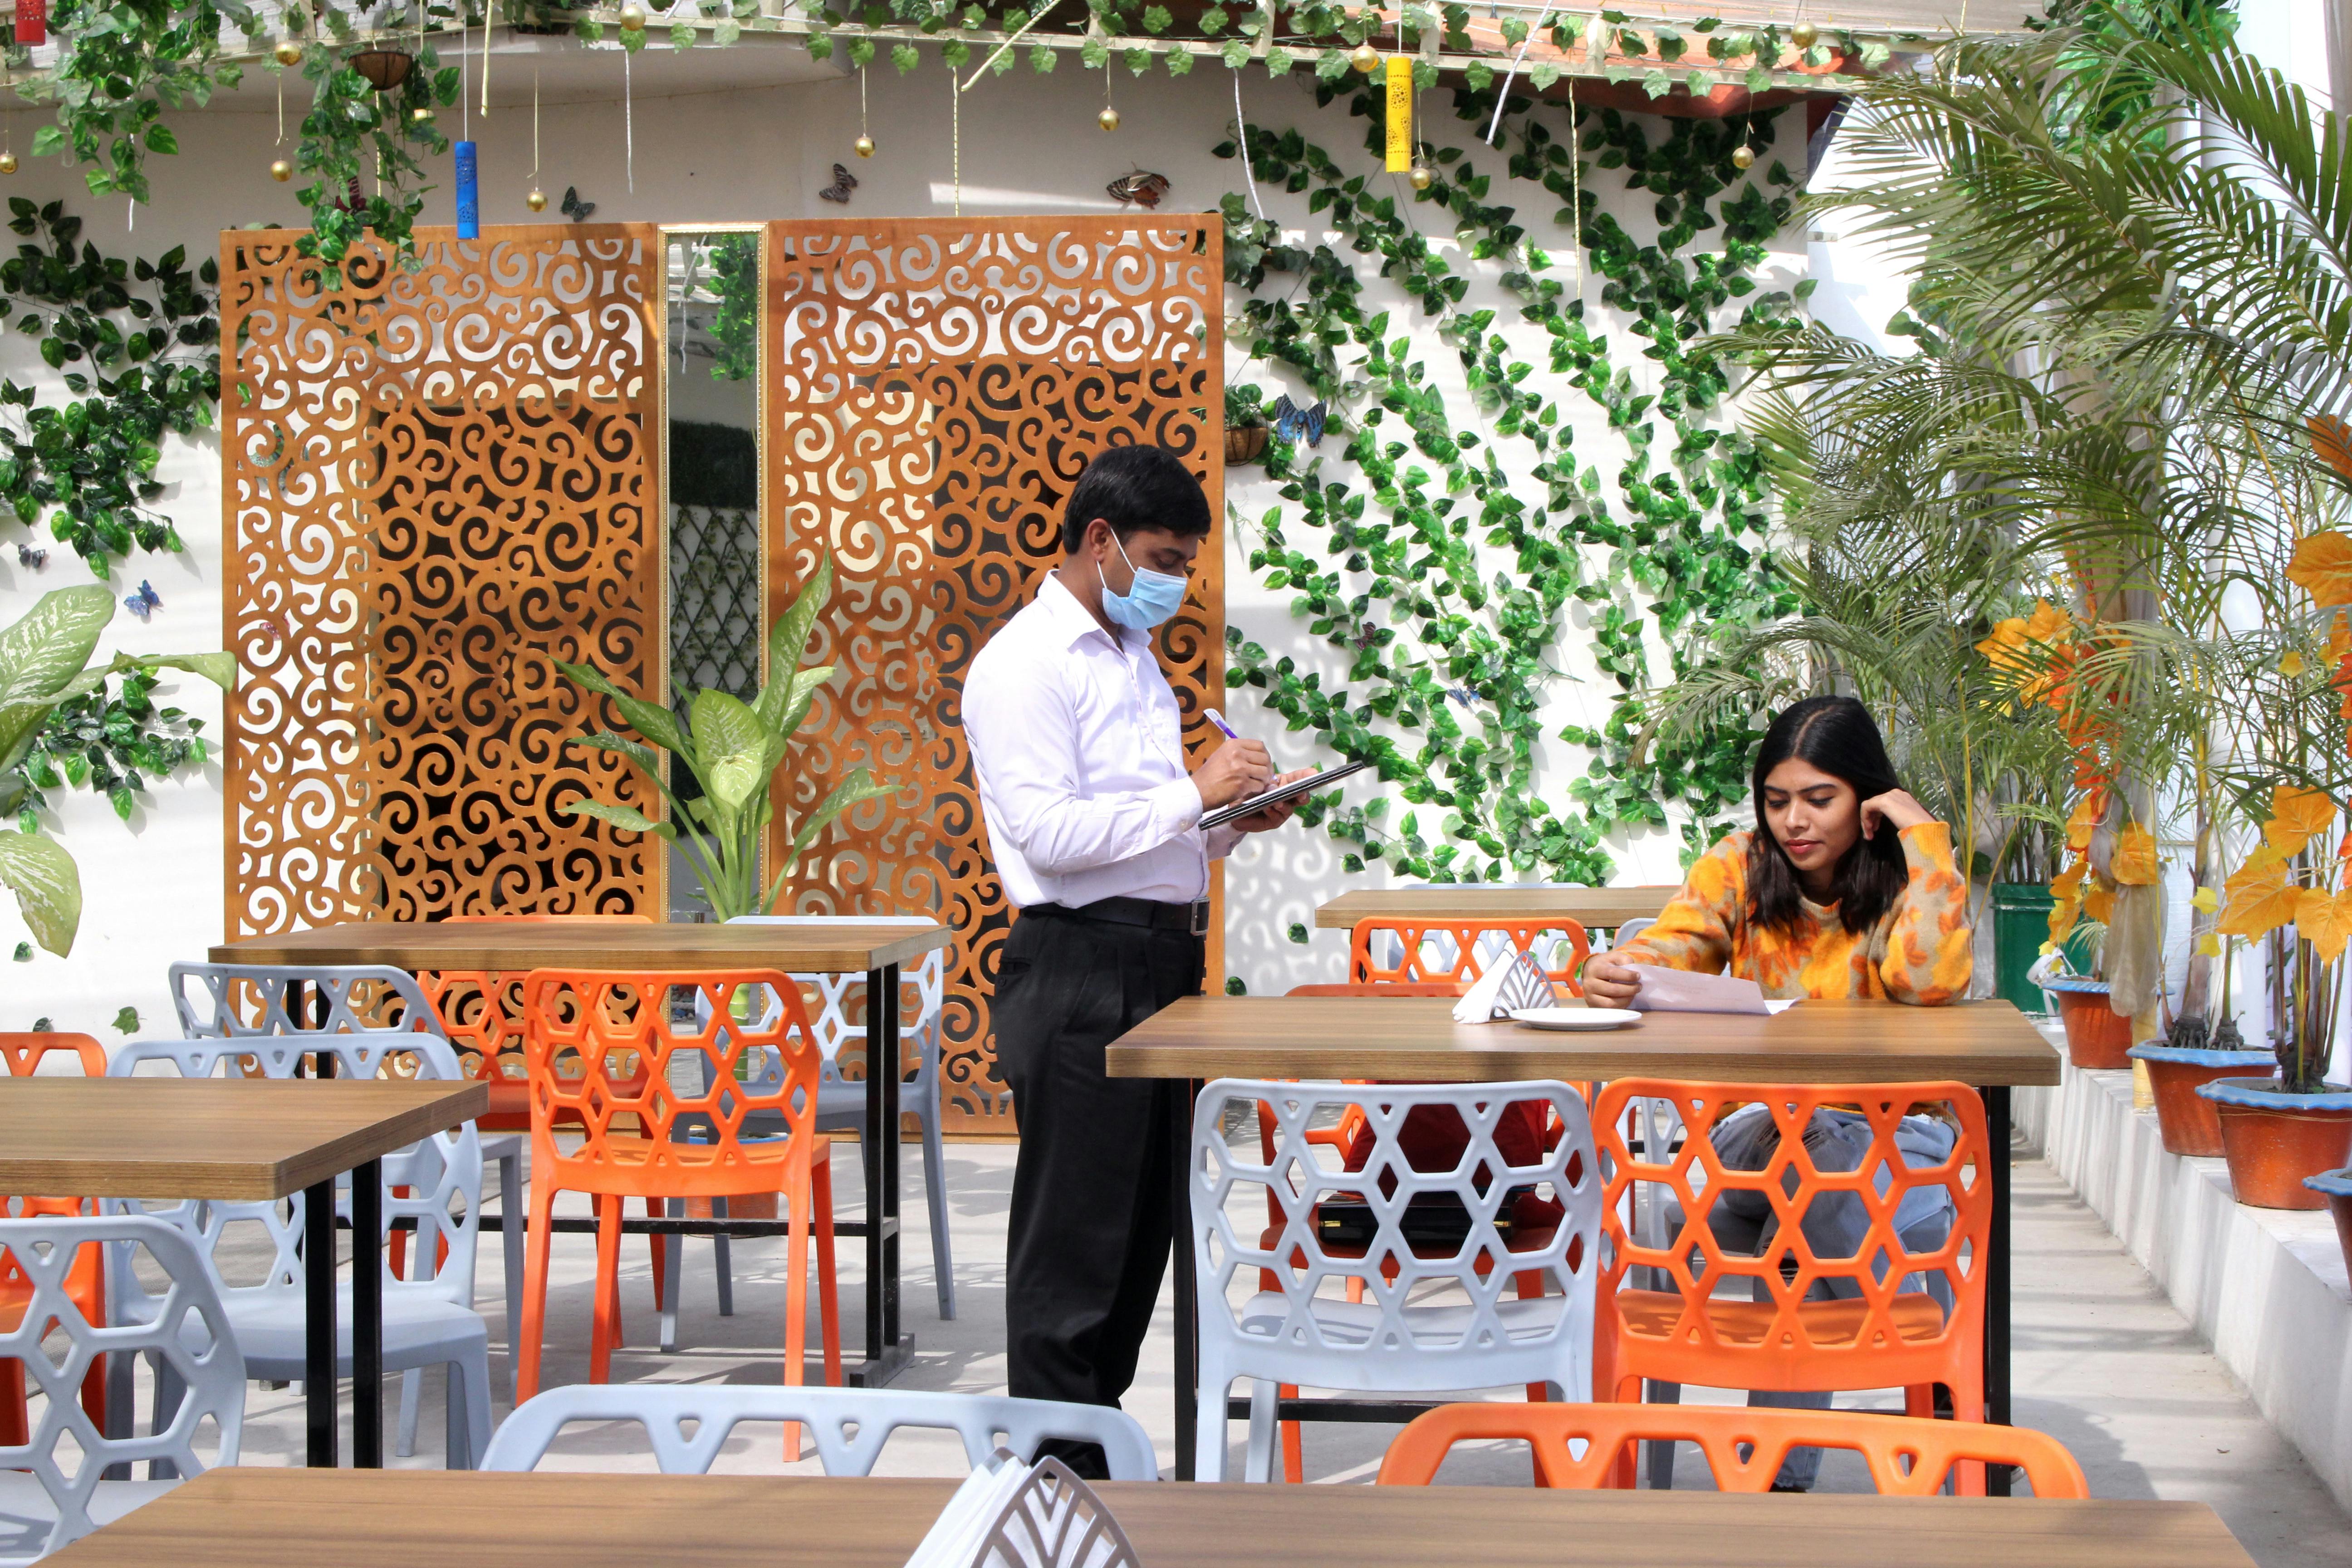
(2277, 1131)
(2189, 1057)
(1245, 431)
(734, 750)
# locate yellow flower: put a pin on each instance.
(2322, 564)
(2135, 863)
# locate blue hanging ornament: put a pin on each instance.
(470, 200)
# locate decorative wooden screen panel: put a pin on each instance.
(434, 482)
(933, 389)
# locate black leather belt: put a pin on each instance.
(1191, 919)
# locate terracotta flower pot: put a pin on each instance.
(2273, 1139)
(2096, 1035)
(2335, 1186)
(2191, 1123)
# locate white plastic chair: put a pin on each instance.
(850, 1424)
(841, 1102)
(1426, 1324)
(1631, 928)
(247, 1000)
(428, 1319)
(51, 1489)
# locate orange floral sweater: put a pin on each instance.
(1919, 951)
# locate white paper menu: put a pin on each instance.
(1688, 990)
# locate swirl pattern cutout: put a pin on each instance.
(437, 483)
(932, 388)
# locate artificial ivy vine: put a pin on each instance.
(112, 741)
(138, 344)
(1394, 519)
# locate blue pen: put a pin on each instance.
(1222, 728)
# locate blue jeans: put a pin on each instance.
(1833, 1224)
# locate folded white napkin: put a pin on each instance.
(1477, 1003)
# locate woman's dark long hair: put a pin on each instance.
(1837, 735)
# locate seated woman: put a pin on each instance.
(1847, 888)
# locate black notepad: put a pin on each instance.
(1290, 791)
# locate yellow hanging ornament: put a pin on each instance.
(1421, 177)
(633, 17)
(281, 171)
(287, 52)
(1107, 119)
(1366, 58)
(536, 201)
(1743, 156)
(422, 114)
(864, 145)
(8, 162)
(1804, 34)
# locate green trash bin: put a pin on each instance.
(2020, 924)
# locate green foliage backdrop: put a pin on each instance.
(1388, 543)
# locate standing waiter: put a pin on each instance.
(1093, 817)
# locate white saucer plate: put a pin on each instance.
(1576, 1018)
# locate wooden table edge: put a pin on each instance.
(1309, 1064)
(466, 1101)
(387, 951)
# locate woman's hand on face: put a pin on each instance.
(1894, 806)
(1608, 981)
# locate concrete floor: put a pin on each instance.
(2103, 1361)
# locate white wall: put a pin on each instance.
(1029, 144)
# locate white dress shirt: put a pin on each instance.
(1076, 742)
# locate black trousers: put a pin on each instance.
(1088, 1240)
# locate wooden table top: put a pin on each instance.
(1605, 908)
(1415, 1040)
(502, 947)
(251, 1139)
(395, 1518)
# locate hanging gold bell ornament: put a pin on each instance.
(633, 17)
(536, 201)
(1421, 177)
(1107, 119)
(8, 162)
(864, 145)
(1743, 156)
(288, 52)
(1366, 58)
(281, 171)
(422, 114)
(1804, 34)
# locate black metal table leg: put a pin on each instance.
(1997, 1281)
(887, 1349)
(1180, 1095)
(367, 1315)
(319, 1321)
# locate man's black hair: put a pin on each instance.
(1134, 487)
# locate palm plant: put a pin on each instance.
(735, 749)
(2134, 248)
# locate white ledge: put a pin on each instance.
(2265, 1287)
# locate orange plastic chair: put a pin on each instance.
(1907, 1457)
(577, 1025)
(1881, 1337)
(85, 1282)
(1416, 966)
(481, 1014)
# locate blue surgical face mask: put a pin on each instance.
(1150, 599)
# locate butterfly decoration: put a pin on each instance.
(1142, 188)
(574, 207)
(844, 182)
(1293, 423)
(28, 556)
(145, 602)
